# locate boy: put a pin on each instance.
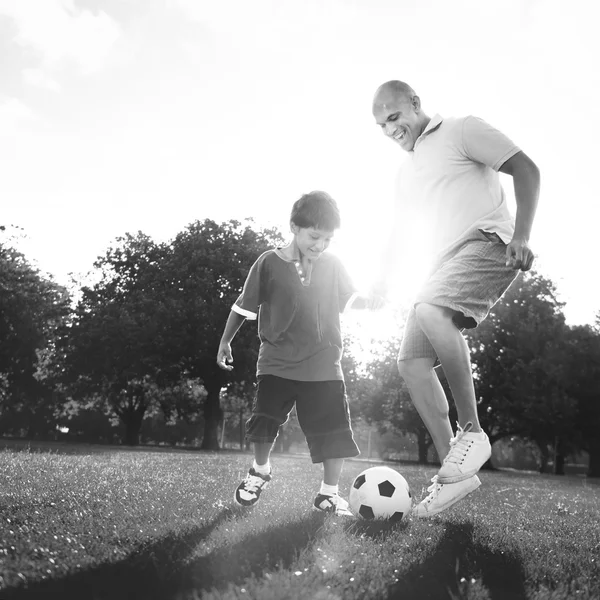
(300, 291)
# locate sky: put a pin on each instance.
(144, 115)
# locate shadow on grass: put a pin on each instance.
(456, 556)
(167, 569)
(377, 529)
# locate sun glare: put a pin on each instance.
(372, 328)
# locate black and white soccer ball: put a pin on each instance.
(380, 493)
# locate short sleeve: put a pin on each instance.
(484, 144)
(250, 299)
(346, 290)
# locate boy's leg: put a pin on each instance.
(272, 405)
(332, 469)
(262, 452)
(324, 417)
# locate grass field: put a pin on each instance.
(109, 523)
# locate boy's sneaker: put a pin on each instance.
(248, 492)
(444, 495)
(332, 504)
(468, 453)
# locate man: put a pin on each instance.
(449, 190)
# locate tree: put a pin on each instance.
(156, 314)
(582, 363)
(518, 363)
(32, 307)
(115, 347)
(205, 272)
(387, 402)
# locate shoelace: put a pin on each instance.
(339, 502)
(433, 489)
(252, 483)
(458, 445)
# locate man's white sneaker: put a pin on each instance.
(444, 495)
(332, 504)
(468, 453)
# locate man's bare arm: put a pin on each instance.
(526, 181)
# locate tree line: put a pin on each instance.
(131, 350)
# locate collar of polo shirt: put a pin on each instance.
(433, 124)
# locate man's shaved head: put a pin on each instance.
(397, 110)
(393, 90)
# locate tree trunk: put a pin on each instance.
(213, 415)
(544, 457)
(594, 454)
(242, 429)
(132, 431)
(423, 445)
(559, 464)
(559, 457)
(214, 380)
(132, 417)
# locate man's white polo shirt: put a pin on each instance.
(450, 181)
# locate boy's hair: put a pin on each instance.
(316, 209)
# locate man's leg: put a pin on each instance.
(429, 399)
(453, 353)
(470, 448)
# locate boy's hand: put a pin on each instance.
(379, 288)
(369, 301)
(519, 255)
(375, 301)
(224, 356)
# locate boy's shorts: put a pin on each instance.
(469, 279)
(322, 409)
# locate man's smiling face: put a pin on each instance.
(398, 117)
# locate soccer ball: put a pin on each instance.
(380, 493)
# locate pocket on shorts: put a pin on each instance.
(491, 236)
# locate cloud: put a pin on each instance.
(41, 79)
(13, 115)
(13, 112)
(59, 31)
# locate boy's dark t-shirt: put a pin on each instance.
(298, 316)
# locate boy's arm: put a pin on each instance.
(224, 356)
(370, 301)
(526, 180)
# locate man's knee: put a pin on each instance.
(416, 370)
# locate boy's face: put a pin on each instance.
(310, 241)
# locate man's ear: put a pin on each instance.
(416, 103)
(294, 228)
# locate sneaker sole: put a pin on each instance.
(337, 513)
(424, 514)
